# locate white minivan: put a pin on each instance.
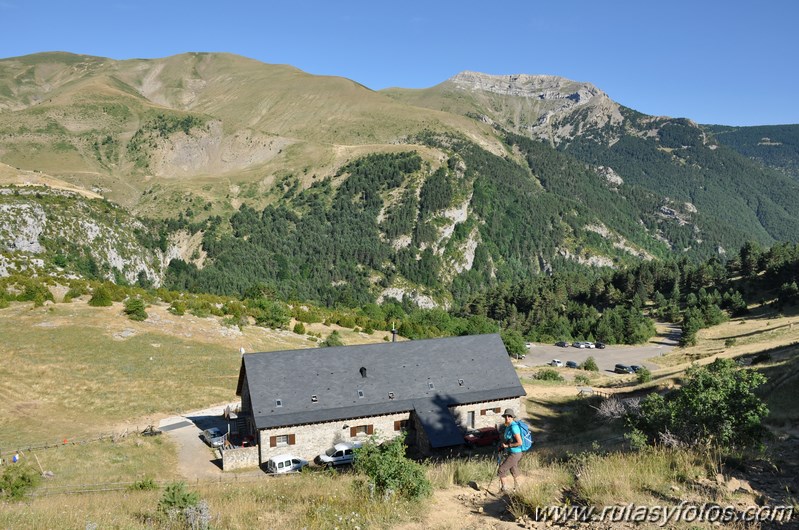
(285, 464)
(338, 455)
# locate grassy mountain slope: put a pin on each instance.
(202, 123)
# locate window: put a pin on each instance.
(360, 393)
(362, 430)
(282, 440)
(430, 385)
(391, 395)
(470, 419)
(495, 410)
(460, 382)
(401, 425)
(278, 403)
(314, 399)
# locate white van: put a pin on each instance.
(285, 464)
(338, 455)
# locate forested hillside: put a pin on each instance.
(774, 146)
(238, 177)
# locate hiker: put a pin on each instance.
(512, 442)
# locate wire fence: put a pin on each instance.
(149, 484)
(31, 447)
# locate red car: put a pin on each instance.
(481, 437)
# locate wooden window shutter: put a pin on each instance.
(353, 432)
(370, 429)
(483, 412)
(398, 425)
(497, 410)
(291, 439)
(273, 441)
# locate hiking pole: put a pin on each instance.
(496, 471)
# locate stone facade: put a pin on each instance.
(239, 458)
(311, 440)
(308, 441)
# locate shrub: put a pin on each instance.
(177, 497)
(390, 472)
(590, 365)
(582, 380)
(334, 339)
(644, 375)
(101, 297)
(17, 480)
(146, 484)
(178, 308)
(134, 308)
(729, 343)
(548, 374)
(299, 328)
(715, 406)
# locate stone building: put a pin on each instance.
(304, 401)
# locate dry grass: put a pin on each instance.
(644, 477)
(73, 371)
(307, 500)
(760, 330)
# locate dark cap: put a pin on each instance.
(509, 412)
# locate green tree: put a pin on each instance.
(514, 343)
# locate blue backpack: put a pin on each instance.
(526, 435)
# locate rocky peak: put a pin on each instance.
(543, 87)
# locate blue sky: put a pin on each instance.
(734, 62)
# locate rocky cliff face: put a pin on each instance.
(541, 106)
(40, 226)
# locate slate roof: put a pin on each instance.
(445, 372)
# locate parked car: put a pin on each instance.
(571, 364)
(528, 345)
(286, 463)
(590, 345)
(600, 345)
(214, 437)
(481, 437)
(562, 344)
(556, 363)
(635, 368)
(338, 455)
(623, 369)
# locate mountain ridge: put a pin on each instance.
(512, 175)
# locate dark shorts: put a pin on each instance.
(510, 464)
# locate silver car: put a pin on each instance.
(214, 437)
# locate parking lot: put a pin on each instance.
(542, 354)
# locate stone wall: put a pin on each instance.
(312, 440)
(486, 413)
(240, 458)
